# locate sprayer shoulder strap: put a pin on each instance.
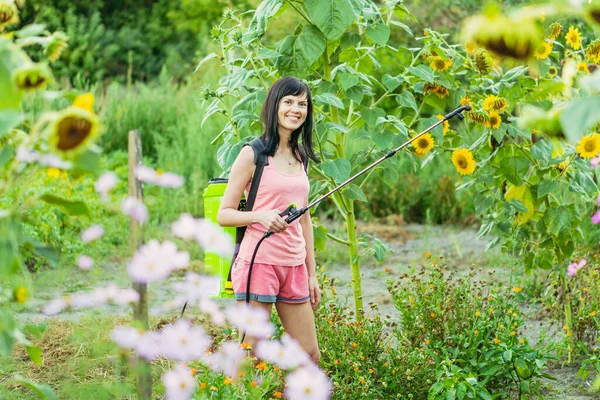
(260, 160)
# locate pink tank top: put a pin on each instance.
(276, 192)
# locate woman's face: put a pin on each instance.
(291, 112)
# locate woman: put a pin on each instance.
(284, 268)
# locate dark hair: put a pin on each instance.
(285, 87)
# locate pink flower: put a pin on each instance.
(155, 261)
(27, 156)
(574, 267)
(227, 360)
(85, 262)
(307, 383)
(183, 342)
(253, 320)
(596, 218)
(51, 160)
(105, 184)
(179, 383)
(126, 337)
(163, 179)
(56, 306)
(594, 162)
(207, 306)
(197, 286)
(213, 239)
(92, 233)
(185, 227)
(287, 355)
(147, 346)
(135, 209)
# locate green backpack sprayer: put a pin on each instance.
(291, 213)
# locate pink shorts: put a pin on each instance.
(270, 283)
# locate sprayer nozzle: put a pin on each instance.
(468, 107)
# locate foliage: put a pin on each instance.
(470, 330)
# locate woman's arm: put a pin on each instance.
(229, 215)
(311, 264)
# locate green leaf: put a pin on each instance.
(355, 93)
(507, 355)
(298, 53)
(382, 138)
(379, 33)
(88, 161)
(320, 235)
(339, 169)
(579, 117)
(406, 99)
(482, 203)
(492, 369)
(332, 17)
(354, 192)
(423, 72)
(349, 40)
(70, 206)
(258, 25)
(6, 154)
(371, 115)
(514, 169)
(390, 176)
(205, 59)
(7, 328)
(380, 249)
(9, 119)
(49, 253)
(546, 186)
(347, 80)
(329, 98)
(392, 82)
(43, 391)
(35, 354)
(403, 26)
(227, 154)
(31, 30)
(542, 150)
(557, 219)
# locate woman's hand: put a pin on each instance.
(271, 220)
(314, 290)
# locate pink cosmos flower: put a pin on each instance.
(27, 156)
(179, 383)
(51, 160)
(183, 342)
(287, 355)
(207, 306)
(105, 184)
(596, 218)
(135, 209)
(308, 383)
(155, 261)
(56, 306)
(92, 233)
(164, 179)
(574, 267)
(85, 262)
(252, 320)
(213, 239)
(147, 346)
(227, 360)
(126, 337)
(185, 227)
(197, 286)
(594, 162)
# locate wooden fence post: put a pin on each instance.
(136, 238)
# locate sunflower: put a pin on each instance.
(592, 52)
(446, 123)
(477, 117)
(494, 120)
(439, 91)
(463, 161)
(483, 61)
(437, 63)
(85, 102)
(32, 76)
(552, 71)
(465, 100)
(488, 101)
(505, 36)
(72, 130)
(55, 47)
(423, 144)
(589, 146)
(9, 14)
(582, 67)
(555, 30)
(543, 51)
(471, 47)
(573, 38)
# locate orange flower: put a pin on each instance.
(496, 340)
(517, 289)
(227, 381)
(202, 385)
(253, 383)
(354, 344)
(277, 395)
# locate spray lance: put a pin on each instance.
(292, 213)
